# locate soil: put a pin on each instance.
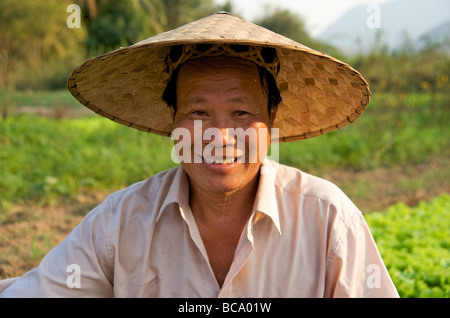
(378, 189)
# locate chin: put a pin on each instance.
(222, 186)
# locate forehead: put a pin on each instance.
(219, 74)
(218, 63)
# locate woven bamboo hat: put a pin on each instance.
(319, 92)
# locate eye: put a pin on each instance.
(199, 113)
(241, 113)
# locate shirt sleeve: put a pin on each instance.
(356, 268)
(80, 266)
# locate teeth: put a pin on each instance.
(231, 160)
(218, 161)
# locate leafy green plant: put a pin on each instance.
(415, 246)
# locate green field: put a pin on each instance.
(44, 159)
(415, 246)
(396, 129)
(58, 160)
(47, 162)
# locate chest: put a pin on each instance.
(176, 261)
(220, 246)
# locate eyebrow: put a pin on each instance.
(236, 100)
(242, 100)
(194, 101)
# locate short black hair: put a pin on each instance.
(268, 85)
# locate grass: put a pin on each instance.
(57, 98)
(45, 159)
(394, 130)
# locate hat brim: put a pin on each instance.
(320, 93)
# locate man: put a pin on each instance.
(227, 222)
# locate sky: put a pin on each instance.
(318, 14)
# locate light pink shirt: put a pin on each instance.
(305, 238)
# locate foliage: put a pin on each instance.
(415, 246)
(36, 45)
(180, 12)
(43, 158)
(411, 68)
(407, 69)
(118, 23)
(39, 51)
(291, 25)
(396, 129)
(124, 22)
(46, 98)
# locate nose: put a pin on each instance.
(222, 137)
(220, 126)
(222, 144)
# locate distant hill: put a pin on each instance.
(439, 33)
(356, 31)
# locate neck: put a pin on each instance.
(225, 208)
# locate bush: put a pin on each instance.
(415, 246)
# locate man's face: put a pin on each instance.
(222, 93)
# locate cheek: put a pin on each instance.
(262, 130)
(187, 129)
(263, 142)
(182, 137)
(257, 142)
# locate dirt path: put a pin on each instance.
(377, 189)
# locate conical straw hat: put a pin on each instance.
(319, 92)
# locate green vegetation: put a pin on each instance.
(39, 51)
(396, 129)
(45, 98)
(44, 158)
(406, 70)
(44, 161)
(291, 25)
(415, 246)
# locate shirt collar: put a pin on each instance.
(265, 200)
(178, 191)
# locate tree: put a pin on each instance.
(115, 23)
(291, 25)
(124, 22)
(89, 7)
(180, 12)
(284, 22)
(33, 35)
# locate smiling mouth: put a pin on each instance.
(220, 161)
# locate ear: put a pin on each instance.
(172, 113)
(273, 115)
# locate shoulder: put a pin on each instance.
(140, 201)
(145, 190)
(302, 186)
(293, 180)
